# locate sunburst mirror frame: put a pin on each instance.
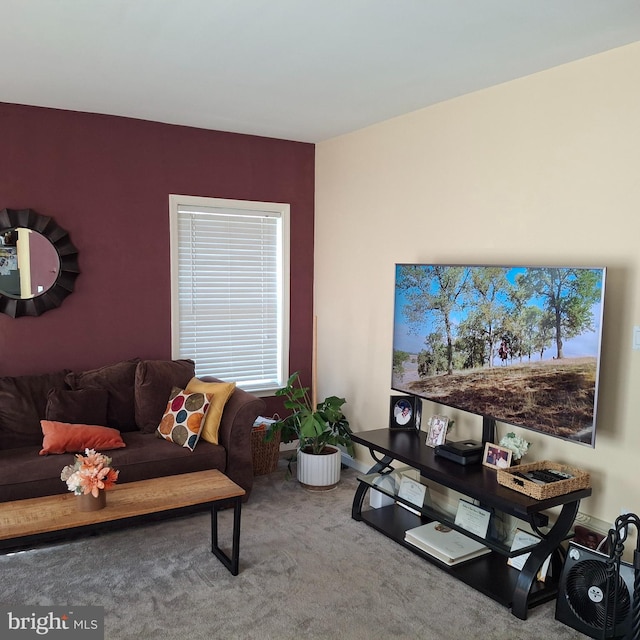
(67, 254)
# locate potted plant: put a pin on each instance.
(319, 430)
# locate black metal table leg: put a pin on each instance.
(231, 562)
(547, 546)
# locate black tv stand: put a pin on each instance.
(490, 574)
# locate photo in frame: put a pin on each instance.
(404, 413)
(496, 456)
(437, 430)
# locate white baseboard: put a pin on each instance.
(354, 464)
(599, 526)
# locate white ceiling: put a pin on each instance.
(305, 70)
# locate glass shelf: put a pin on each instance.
(518, 589)
(389, 485)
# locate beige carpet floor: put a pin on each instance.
(307, 570)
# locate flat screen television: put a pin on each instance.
(515, 344)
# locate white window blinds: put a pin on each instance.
(230, 289)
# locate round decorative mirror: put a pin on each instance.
(38, 263)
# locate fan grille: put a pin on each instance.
(588, 586)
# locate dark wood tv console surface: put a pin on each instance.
(489, 574)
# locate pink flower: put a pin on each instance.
(90, 473)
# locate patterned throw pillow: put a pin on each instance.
(184, 417)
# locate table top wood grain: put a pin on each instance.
(128, 500)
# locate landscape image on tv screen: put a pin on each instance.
(520, 345)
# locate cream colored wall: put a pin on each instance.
(541, 170)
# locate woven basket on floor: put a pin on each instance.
(265, 454)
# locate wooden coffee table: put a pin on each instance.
(24, 523)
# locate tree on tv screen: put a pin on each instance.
(471, 317)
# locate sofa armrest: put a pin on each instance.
(234, 434)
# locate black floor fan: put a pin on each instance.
(599, 594)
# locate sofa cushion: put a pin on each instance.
(85, 406)
(154, 380)
(147, 456)
(183, 418)
(61, 437)
(23, 401)
(220, 392)
(25, 474)
(118, 379)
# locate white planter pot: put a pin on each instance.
(319, 472)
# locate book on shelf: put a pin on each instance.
(445, 544)
(522, 539)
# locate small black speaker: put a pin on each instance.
(591, 602)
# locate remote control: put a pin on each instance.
(561, 475)
(529, 477)
(545, 476)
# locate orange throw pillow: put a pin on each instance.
(62, 437)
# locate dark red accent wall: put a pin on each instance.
(107, 181)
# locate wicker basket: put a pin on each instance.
(580, 480)
(265, 454)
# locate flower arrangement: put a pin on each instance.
(91, 472)
(518, 445)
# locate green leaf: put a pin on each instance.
(314, 427)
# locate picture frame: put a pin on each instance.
(437, 430)
(404, 413)
(496, 457)
(590, 538)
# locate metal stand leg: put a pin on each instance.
(521, 594)
(231, 562)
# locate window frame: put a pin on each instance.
(282, 210)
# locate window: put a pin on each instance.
(230, 289)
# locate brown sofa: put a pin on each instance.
(133, 395)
